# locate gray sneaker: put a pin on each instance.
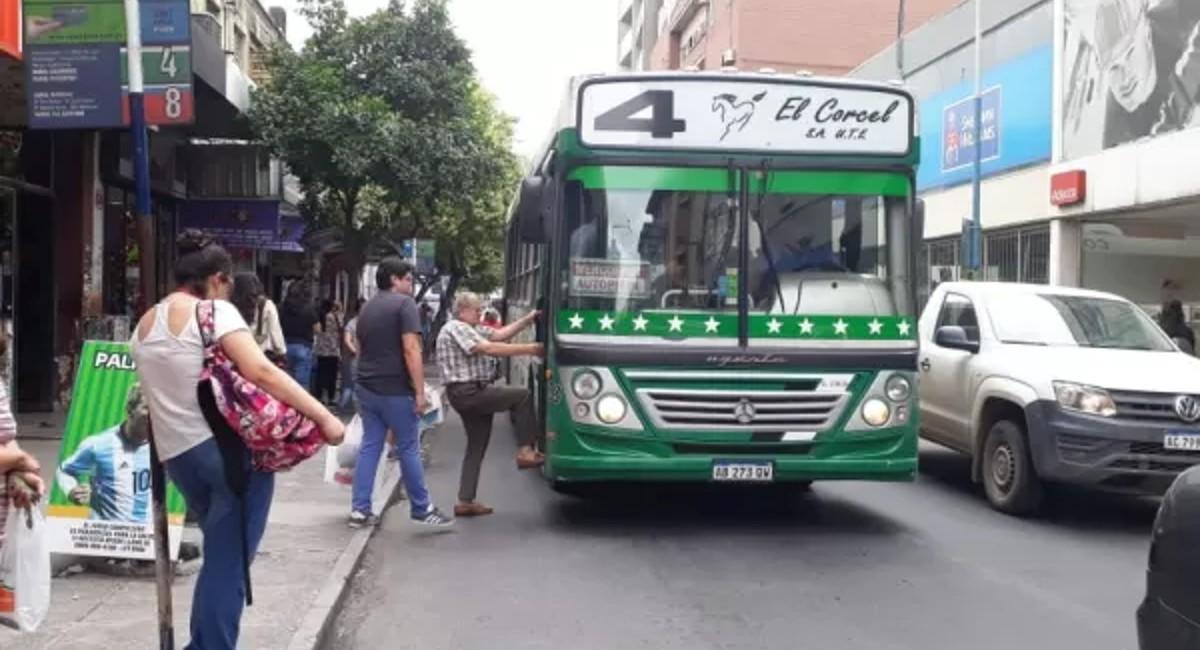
(434, 518)
(362, 520)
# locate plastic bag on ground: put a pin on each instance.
(24, 570)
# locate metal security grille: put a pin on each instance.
(1013, 255)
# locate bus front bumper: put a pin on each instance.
(886, 456)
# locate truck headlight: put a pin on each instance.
(611, 409)
(876, 412)
(1085, 399)
(586, 384)
(898, 388)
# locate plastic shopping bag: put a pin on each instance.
(347, 452)
(24, 570)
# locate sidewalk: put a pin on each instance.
(299, 576)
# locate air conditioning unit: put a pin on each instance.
(729, 57)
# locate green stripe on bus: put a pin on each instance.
(720, 180)
(681, 325)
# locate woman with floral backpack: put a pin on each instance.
(179, 346)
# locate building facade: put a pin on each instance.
(828, 38)
(637, 32)
(1088, 140)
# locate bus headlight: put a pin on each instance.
(611, 409)
(586, 384)
(898, 388)
(876, 412)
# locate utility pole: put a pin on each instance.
(975, 234)
(900, 41)
(146, 249)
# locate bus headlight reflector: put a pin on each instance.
(586, 384)
(876, 412)
(898, 388)
(611, 409)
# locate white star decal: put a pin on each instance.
(675, 324)
(806, 327)
(840, 327)
(606, 322)
(576, 322)
(876, 327)
(711, 325)
(773, 326)
(905, 327)
(640, 323)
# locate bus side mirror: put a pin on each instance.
(531, 209)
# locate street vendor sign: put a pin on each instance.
(100, 503)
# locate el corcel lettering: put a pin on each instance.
(830, 111)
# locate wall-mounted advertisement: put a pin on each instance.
(1130, 69)
(1014, 126)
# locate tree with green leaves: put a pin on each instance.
(385, 124)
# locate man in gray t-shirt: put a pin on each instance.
(391, 393)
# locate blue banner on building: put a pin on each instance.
(1015, 131)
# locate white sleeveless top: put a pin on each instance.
(168, 368)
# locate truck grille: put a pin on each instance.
(1156, 449)
(1159, 407)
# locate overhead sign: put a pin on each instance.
(958, 130)
(76, 72)
(248, 224)
(1068, 188)
(100, 503)
(750, 114)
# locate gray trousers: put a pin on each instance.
(476, 403)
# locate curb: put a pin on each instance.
(315, 626)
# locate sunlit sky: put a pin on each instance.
(524, 50)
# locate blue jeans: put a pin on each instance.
(349, 369)
(220, 593)
(380, 413)
(300, 363)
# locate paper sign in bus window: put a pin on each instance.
(601, 278)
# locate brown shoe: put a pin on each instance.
(472, 509)
(530, 460)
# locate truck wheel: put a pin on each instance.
(1009, 479)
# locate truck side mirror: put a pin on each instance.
(955, 338)
(531, 209)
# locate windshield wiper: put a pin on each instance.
(762, 237)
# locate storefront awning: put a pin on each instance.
(248, 224)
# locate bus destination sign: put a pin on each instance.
(749, 114)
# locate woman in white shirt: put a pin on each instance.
(169, 356)
(260, 312)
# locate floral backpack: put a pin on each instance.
(276, 434)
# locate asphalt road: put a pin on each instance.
(847, 566)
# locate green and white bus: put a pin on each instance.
(726, 268)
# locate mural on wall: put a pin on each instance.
(1130, 70)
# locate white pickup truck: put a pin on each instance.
(1050, 384)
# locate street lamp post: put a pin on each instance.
(145, 229)
(975, 234)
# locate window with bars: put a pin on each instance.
(1011, 255)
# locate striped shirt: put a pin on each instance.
(119, 473)
(457, 357)
(8, 434)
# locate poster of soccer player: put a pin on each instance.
(100, 504)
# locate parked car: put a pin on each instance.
(1169, 617)
(1040, 383)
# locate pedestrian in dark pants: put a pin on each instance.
(327, 349)
(299, 321)
(391, 393)
(467, 357)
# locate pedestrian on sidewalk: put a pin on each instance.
(263, 316)
(20, 473)
(328, 351)
(391, 393)
(299, 321)
(169, 353)
(467, 354)
(350, 357)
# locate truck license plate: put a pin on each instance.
(754, 472)
(1182, 441)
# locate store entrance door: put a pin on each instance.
(8, 285)
(34, 311)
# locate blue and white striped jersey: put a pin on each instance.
(119, 476)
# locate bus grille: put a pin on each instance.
(734, 410)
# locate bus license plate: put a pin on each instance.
(763, 472)
(1182, 441)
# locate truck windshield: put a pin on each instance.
(1083, 321)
